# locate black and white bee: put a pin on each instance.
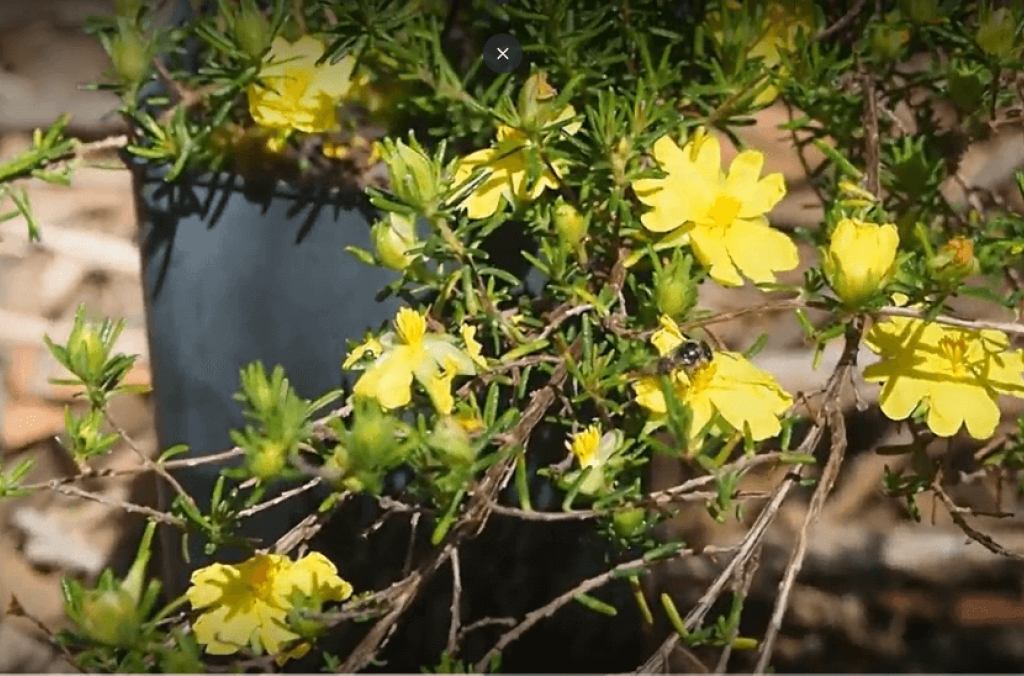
(690, 355)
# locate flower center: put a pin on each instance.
(700, 378)
(723, 211)
(955, 351)
(411, 327)
(295, 83)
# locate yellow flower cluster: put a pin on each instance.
(246, 605)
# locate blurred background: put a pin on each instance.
(879, 592)
(87, 255)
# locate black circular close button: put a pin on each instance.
(503, 53)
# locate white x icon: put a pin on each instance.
(503, 53)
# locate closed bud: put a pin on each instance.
(128, 9)
(954, 262)
(110, 617)
(536, 90)
(267, 460)
(887, 42)
(861, 259)
(372, 434)
(921, 11)
(129, 53)
(413, 175)
(997, 34)
(570, 224)
(451, 439)
(966, 89)
(629, 522)
(252, 31)
(393, 238)
(675, 291)
(620, 160)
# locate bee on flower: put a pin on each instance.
(723, 390)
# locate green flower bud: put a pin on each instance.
(372, 435)
(414, 177)
(129, 53)
(674, 289)
(299, 617)
(180, 661)
(921, 11)
(252, 31)
(536, 90)
(393, 238)
(110, 617)
(268, 460)
(452, 440)
(620, 159)
(996, 34)
(629, 523)
(887, 42)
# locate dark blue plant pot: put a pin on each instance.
(232, 276)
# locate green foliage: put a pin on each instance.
(556, 154)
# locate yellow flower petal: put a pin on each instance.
(473, 346)
(758, 251)
(668, 337)
(711, 249)
(439, 387)
(389, 380)
(955, 404)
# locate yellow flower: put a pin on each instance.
(508, 162)
(409, 352)
(861, 259)
(246, 604)
(957, 372)
(721, 216)
(595, 451)
(296, 93)
(729, 386)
